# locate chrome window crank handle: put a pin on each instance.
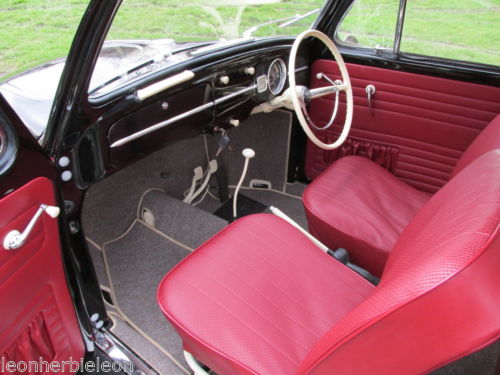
(15, 239)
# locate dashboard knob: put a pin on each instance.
(235, 122)
(224, 80)
(250, 70)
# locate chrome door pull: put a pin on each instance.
(15, 239)
(370, 91)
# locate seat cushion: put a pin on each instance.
(358, 205)
(255, 298)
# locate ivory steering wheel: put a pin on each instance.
(299, 95)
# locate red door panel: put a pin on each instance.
(418, 126)
(37, 317)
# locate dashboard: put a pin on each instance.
(193, 98)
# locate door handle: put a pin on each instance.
(15, 239)
(370, 91)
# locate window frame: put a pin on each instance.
(331, 18)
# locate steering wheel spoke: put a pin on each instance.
(300, 95)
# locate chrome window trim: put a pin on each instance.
(398, 35)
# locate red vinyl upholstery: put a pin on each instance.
(358, 205)
(37, 316)
(426, 122)
(487, 140)
(258, 298)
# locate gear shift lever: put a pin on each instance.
(247, 153)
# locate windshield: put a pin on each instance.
(148, 35)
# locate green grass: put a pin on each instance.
(36, 31)
(456, 29)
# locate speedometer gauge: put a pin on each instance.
(276, 76)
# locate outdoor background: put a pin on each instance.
(36, 31)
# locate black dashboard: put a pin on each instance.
(217, 90)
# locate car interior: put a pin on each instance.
(405, 211)
(265, 205)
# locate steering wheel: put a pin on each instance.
(299, 95)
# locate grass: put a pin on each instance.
(456, 29)
(36, 31)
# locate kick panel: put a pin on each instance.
(422, 123)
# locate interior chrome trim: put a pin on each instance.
(132, 364)
(162, 124)
(234, 94)
(399, 27)
(301, 69)
(165, 84)
(180, 116)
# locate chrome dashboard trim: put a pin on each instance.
(224, 98)
(180, 116)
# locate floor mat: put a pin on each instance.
(110, 205)
(136, 262)
(189, 225)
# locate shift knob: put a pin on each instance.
(248, 153)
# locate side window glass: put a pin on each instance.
(458, 30)
(369, 24)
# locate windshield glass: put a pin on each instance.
(148, 35)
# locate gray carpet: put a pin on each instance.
(295, 188)
(187, 224)
(136, 263)
(144, 348)
(110, 205)
(269, 135)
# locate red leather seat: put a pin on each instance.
(259, 298)
(358, 205)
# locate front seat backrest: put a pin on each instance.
(487, 140)
(439, 297)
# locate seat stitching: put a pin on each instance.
(241, 321)
(257, 312)
(284, 258)
(272, 303)
(281, 290)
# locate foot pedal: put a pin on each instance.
(198, 175)
(212, 168)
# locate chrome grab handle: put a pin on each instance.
(15, 239)
(370, 91)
